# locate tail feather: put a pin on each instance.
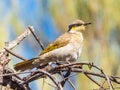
(22, 66)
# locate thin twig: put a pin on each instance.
(64, 76)
(36, 37)
(43, 83)
(4, 59)
(59, 68)
(66, 79)
(52, 78)
(75, 64)
(73, 75)
(94, 81)
(15, 73)
(14, 54)
(47, 74)
(72, 84)
(109, 82)
(90, 73)
(11, 45)
(17, 40)
(50, 84)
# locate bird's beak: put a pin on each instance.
(87, 23)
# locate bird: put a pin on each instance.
(66, 48)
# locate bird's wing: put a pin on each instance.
(60, 42)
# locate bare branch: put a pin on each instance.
(14, 54)
(49, 75)
(36, 37)
(95, 81)
(109, 82)
(11, 79)
(4, 57)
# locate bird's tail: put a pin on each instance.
(25, 65)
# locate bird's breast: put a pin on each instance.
(69, 52)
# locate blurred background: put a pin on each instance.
(50, 19)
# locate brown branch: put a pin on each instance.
(11, 45)
(60, 68)
(109, 82)
(55, 70)
(92, 73)
(52, 78)
(65, 76)
(67, 79)
(16, 41)
(4, 57)
(49, 84)
(58, 85)
(36, 37)
(14, 54)
(95, 81)
(11, 79)
(72, 65)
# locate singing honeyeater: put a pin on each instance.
(67, 48)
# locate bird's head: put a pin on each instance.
(78, 25)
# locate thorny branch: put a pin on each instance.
(10, 79)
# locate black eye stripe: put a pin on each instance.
(78, 24)
(72, 25)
